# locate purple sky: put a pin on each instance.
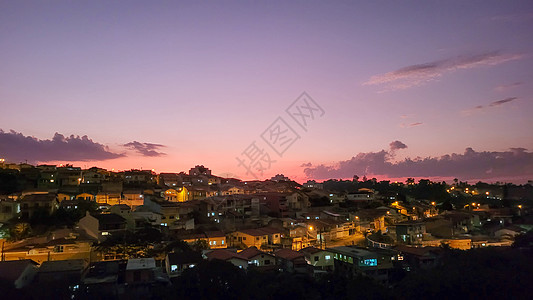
(129, 84)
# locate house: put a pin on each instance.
(176, 194)
(410, 232)
(67, 272)
(274, 235)
(375, 263)
(326, 230)
(143, 215)
(227, 255)
(257, 258)
(140, 271)
(8, 209)
(101, 225)
(216, 239)
(169, 179)
(298, 201)
(176, 263)
(110, 198)
(86, 196)
(321, 260)
(29, 204)
(372, 219)
(509, 232)
(362, 195)
(312, 184)
(64, 196)
(133, 197)
(199, 170)
(462, 222)
(246, 238)
(273, 203)
(419, 257)
(20, 273)
(58, 245)
(171, 212)
(299, 237)
(231, 190)
(124, 211)
(102, 279)
(260, 237)
(139, 176)
(291, 261)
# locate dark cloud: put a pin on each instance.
(419, 74)
(397, 145)
(492, 104)
(468, 165)
(306, 165)
(16, 147)
(146, 149)
(500, 102)
(411, 124)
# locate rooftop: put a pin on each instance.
(140, 264)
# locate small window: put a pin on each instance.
(317, 258)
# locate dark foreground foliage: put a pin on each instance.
(490, 273)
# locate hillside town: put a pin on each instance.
(116, 233)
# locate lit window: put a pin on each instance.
(370, 262)
(327, 257)
(173, 268)
(105, 233)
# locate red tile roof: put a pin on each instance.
(288, 254)
(223, 254)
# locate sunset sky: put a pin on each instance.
(433, 89)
